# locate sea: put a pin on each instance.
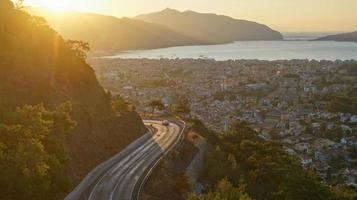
(294, 46)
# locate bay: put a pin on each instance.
(262, 50)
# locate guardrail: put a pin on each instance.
(151, 169)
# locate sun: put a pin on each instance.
(55, 5)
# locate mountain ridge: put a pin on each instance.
(347, 37)
(120, 34)
(208, 26)
(114, 34)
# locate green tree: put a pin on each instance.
(19, 4)
(183, 106)
(79, 48)
(119, 105)
(263, 167)
(345, 102)
(224, 190)
(33, 154)
(308, 129)
(156, 104)
(344, 193)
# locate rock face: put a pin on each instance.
(109, 33)
(347, 37)
(211, 28)
(38, 66)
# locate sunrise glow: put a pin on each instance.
(56, 6)
(283, 15)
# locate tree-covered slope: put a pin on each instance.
(39, 71)
(242, 165)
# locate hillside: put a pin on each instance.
(211, 28)
(113, 34)
(347, 37)
(38, 67)
(241, 165)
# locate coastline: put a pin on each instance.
(286, 49)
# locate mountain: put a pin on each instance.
(38, 68)
(348, 37)
(211, 28)
(113, 34)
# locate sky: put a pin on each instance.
(281, 15)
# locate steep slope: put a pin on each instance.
(348, 37)
(38, 66)
(210, 27)
(113, 34)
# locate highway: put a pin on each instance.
(118, 177)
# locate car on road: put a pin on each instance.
(166, 123)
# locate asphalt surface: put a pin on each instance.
(118, 177)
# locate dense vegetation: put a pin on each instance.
(224, 190)
(42, 154)
(346, 100)
(32, 152)
(244, 166)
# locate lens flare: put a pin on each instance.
(57, 5)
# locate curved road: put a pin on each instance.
(117, 177)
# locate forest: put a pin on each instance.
(242, 165)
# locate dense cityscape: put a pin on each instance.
(300, 103)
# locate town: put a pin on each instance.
(308, 106)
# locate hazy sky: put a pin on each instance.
(282, 15)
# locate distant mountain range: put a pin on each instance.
(156, 30)
(113, 34)
(348, 37)
(211, 28)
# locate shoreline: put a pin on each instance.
(287, 49)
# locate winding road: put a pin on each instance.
(118, 178)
